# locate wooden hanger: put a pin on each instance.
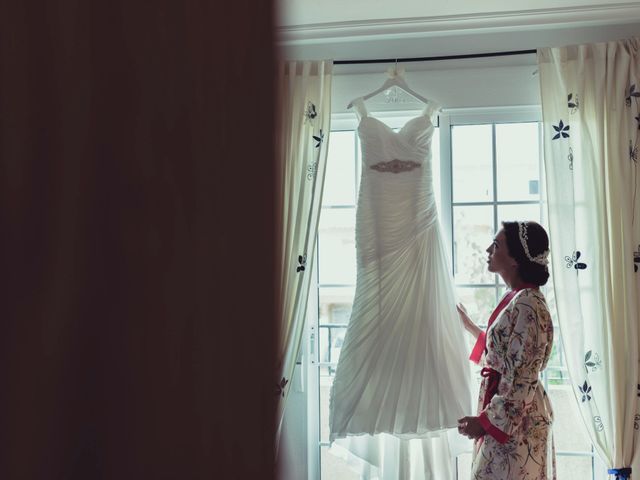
(396, 79)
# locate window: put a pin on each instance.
(497, 174)
(490, 169)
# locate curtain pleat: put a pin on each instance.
(302, 144)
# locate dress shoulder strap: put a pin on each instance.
(431, 110)
(361, 108)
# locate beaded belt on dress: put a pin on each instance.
(396, 166)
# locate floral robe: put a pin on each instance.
(519, 443)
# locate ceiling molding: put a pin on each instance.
(620, 13)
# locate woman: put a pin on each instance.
(512, 431)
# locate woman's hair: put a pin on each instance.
(532, 263)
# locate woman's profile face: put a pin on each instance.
(499, 259)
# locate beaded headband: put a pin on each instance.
(541, 259)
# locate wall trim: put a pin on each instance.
(358, 30)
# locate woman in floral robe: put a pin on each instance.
(512, 432)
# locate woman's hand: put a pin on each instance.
(470, 427)
(471, 327)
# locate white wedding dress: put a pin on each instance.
(403, 372)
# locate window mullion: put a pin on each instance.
(494, 173)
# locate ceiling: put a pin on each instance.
(374, 29)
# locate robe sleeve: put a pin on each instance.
(524, 355)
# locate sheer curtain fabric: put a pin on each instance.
(304, 89)
(591, 111)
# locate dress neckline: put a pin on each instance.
(361, 107)
(390, 129)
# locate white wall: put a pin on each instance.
(454, 42)
(452, 88)
(302, 12)
(358, 29)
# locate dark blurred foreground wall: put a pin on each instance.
(136, 240)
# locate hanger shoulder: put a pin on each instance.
(417, 96)
(397, 81)
(402, 83)
(390, 82)
(352, 103)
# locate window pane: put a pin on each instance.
(557, 358)
(331, 339)
(518, 212)
(557, 373)
(479, 302)
(550, 297)
(472, 159)
(464, 466)
(472, 233)
(570, 467)
(569, 432)
(335, 468)
(518, 161)
(326, 380)
(339, 185)
(336, 246)
(335, 304)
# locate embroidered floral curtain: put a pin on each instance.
(303, 129)
(591, 111)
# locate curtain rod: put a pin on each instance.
(430, 59)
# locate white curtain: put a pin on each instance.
(591, 111)
(304, 114)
